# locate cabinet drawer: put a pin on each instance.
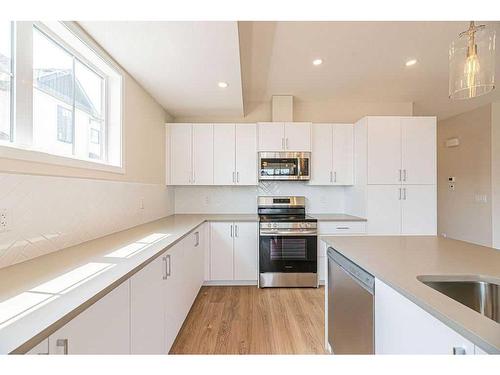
(341, 227)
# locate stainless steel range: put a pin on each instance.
(288, 253)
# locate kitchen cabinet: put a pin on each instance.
(332, 161)
(397, 209)
(203, 151)
(103, 328)
(245, 251)
(191, 154)
(233, 251)
(235, 154)
(180, 154)
(402, 327)
(279, 136)
(401, 150)
(147, 309)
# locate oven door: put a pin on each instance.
(288, 253)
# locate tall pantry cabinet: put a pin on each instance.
(395, 159)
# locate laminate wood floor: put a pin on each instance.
(249, 320)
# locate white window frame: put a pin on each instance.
(20, 147)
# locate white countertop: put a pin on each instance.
(40, 295)
(398, 260)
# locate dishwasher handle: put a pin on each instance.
(363, 278)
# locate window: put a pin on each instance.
(73, 112)
(6, 79)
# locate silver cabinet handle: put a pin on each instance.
(404, 175)
(400, 171)
(405, 193)
(400, 195)
(286, 143)
(234, 179)
(169, 272)
(282, 143)
(236, 234)
(165, 275)
(331, 176)
(458, 350)
(197, 236)
(343, 228)
(231, 230)
(238, 177)
(63, 343)
(335, 176)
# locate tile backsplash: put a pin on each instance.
(243, 199)
(46, 214)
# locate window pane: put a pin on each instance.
(52, 95)
(5, 79)
(88, 90)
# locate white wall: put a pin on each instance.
(495, 173)
(228, 199)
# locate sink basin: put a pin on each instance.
(478, 293)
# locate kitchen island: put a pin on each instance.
(397, 261)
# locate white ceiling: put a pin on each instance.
(178, 63)
(362, 62)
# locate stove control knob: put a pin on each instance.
(275, 225)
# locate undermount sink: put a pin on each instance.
(478, 293)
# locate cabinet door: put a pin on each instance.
(103, 328)
(384, 150)
(419, 210)
(224, 154)
(383, 208)
(180, 154)
(343, 154)
(298, 136)
(246, 154)
(321, 158)
(245, 251)
(419, 147)
(203, 154)
(147, 315)
(402, 327)
(271, 136)
(221, 251)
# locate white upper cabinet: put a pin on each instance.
(419, 149)
(343, 154)
(224, 154)
(298, 136)
(246, 154)
(402, 150)
(322, 155)
(332, 161)
(384, 150)
(203, 149)
(290, 136)
(181, 161)
(271, 136)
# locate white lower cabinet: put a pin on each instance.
(103, 328)
(402, 327)
(147, 305)
(233, 251)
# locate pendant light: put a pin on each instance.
(472, 63)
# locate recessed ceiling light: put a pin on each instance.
(317, 62)
(411, 62)
(222, 85)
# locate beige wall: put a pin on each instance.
(460, 215)
(320, 111)
(144, 145)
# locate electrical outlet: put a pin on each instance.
(141, 203)
(4, 221)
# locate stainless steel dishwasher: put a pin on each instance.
(351, 292)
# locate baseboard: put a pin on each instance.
(230, 282)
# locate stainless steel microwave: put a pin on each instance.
(284, 166)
